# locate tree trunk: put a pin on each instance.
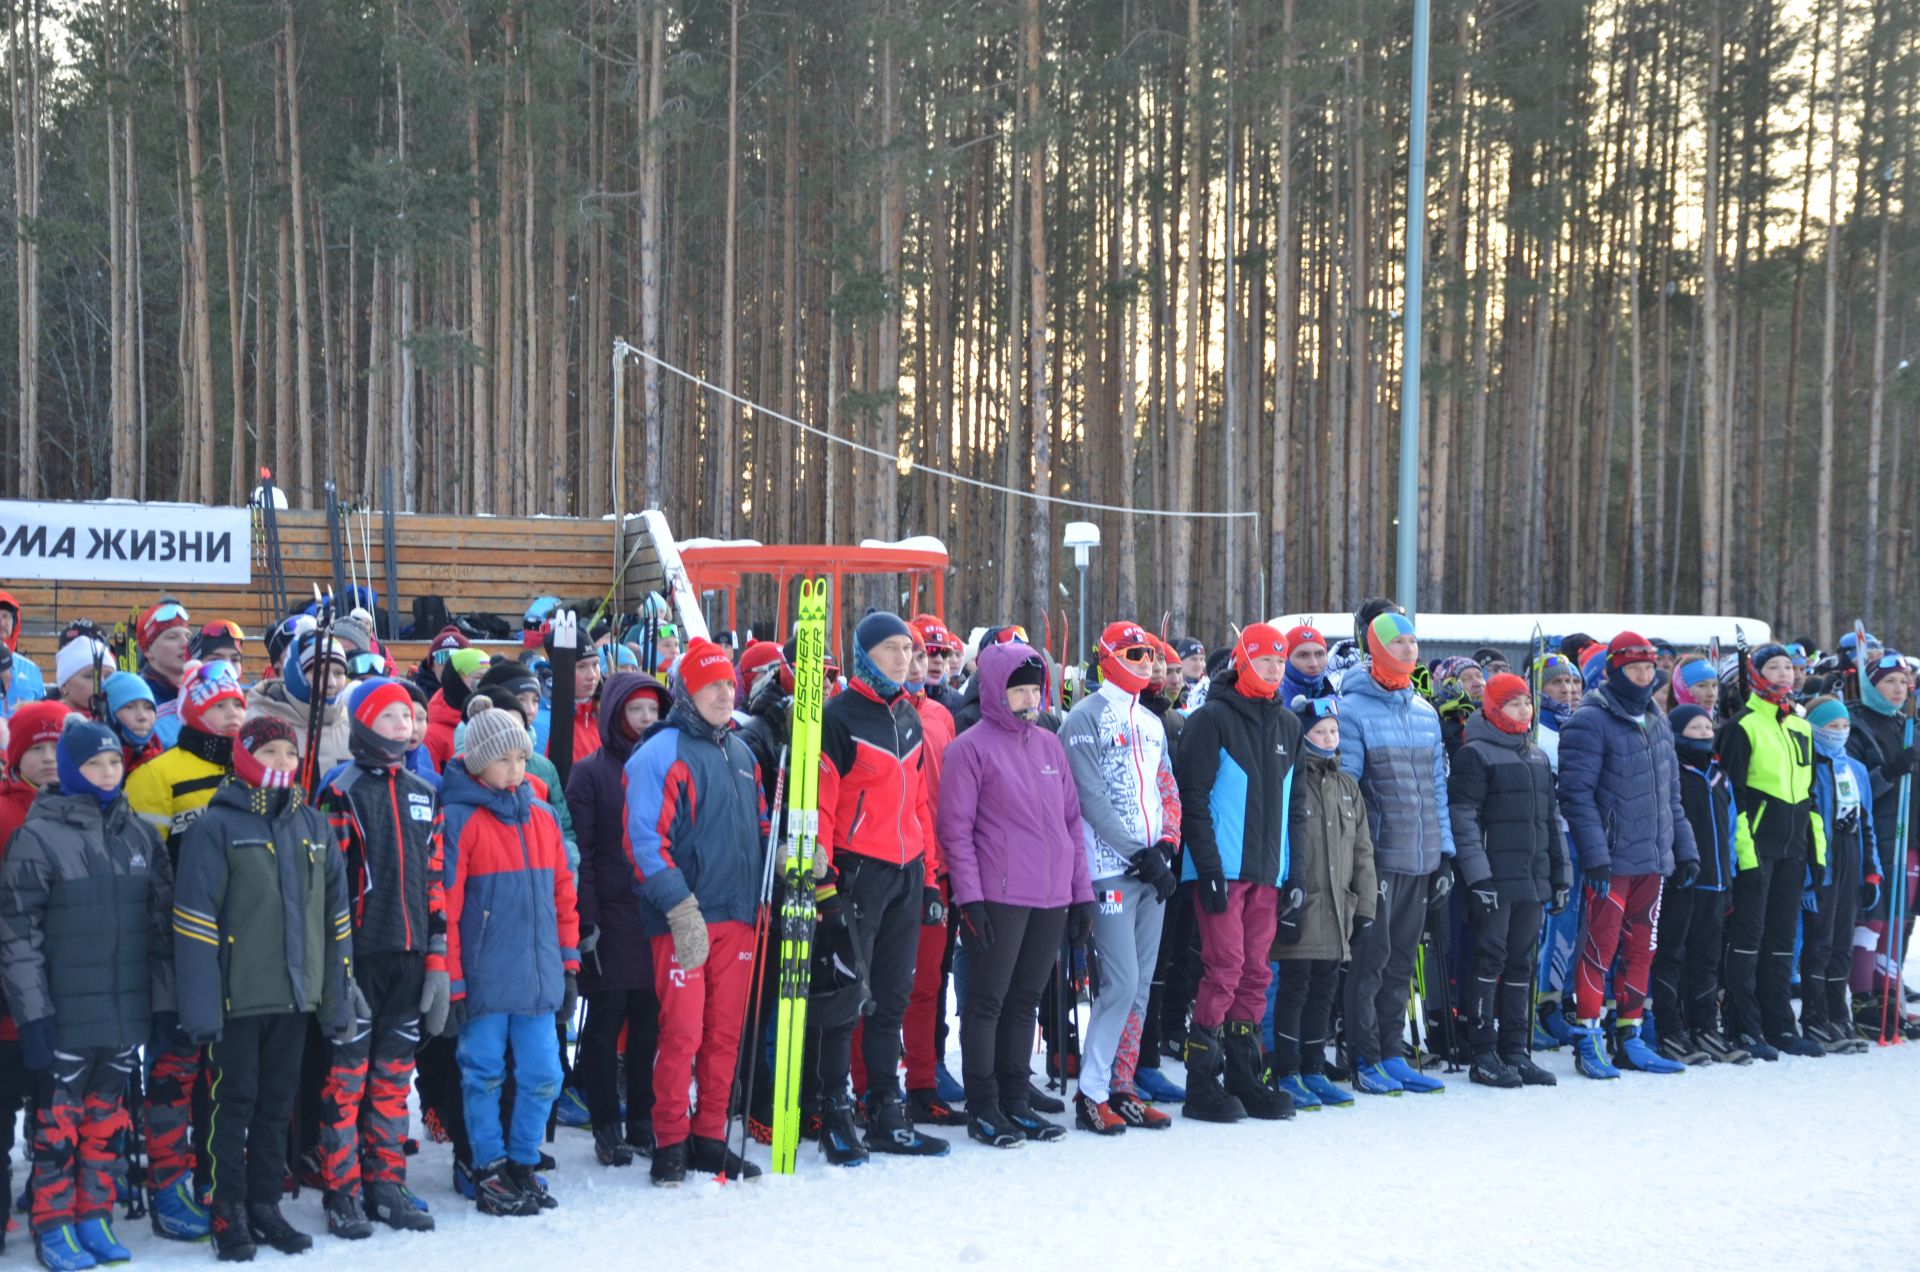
(1040, 542)
(1823, 496)
(1713, 570)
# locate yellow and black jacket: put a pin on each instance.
(1767, 754)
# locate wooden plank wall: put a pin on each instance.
(489, 564)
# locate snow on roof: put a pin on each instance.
(913, 543)
(720, 543)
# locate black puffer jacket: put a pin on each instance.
(1506, 820)
(604, 890)
(85, 905)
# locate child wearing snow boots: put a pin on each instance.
(1513, 863)
(1834, 896)
(87, 966)
(512, 937)
(1693, 906)
(1237, 797)
(262, 940)
(384, 820)
(1332, 866)
(696, 827)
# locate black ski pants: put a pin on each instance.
(1003, 990)
(1302, 1013)
(256, 1075)
(882, 910)
(1686, 959)
(1766, 914)
(1500, 991)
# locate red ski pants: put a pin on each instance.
(699, 1032)
(1619, 924)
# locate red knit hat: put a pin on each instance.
(1118, 637)
(1628, 648)
(163, 615)
(1501, 690)
(1257, 640)
(34, 723)
(933, 633)
(204, 684)
(1302, 636)
(702, 664)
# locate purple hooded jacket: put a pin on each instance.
(597, 792)
(1009, 822)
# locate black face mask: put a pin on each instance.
(374, 751)
(1697, 752)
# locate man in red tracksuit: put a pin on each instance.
(877, 862)
(696, 827)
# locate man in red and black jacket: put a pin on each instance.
(385, 820)
(877, 848)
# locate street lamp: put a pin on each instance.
(1083, 537)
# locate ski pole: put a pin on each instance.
(749, 1010)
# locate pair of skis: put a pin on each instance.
(795, 974)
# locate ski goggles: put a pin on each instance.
(1319, 708)
(1007, 635)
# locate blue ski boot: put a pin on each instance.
(1552, 1018)
(1411, 1079)
(1296, 1089)
(1371, 1078)
(1630, 1051)
(1589, 1056)
(571, 1109)
(60, 1249)
(948, 1087)
(1329, 1095)
(177, 1214)
(1157, 1087)
(96, 1234)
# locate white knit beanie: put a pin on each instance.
(79, 654)
(493, 735)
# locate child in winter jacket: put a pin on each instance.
(1009, 827)
(131, 715)
(512, 938)
(1848, 884)
(1331, 862)
(696, 823)
(87, 964)
(384, 819)
(1693, 905)
(1513, 863)
(263, 939)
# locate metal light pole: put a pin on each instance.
(1083, 537)
(1406, 572)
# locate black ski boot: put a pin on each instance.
(1044, 1101)
(610, 1148)
(1678, 1045)
(345, 1218)
(1246, 1075)
(495, 1193)
(1793, 1044)
(1031, 1124)
(390, 1203)
(1716, 1044)
(640, 1135)
(232, 1239)
(889, 1131)
(713, 1157)
(1529, 1073)
(1207, 1100)
(525, 1179)
(270, 1227)
(669, 1168)
(1489, 1070)
(926, 1106)
(840, 1139)
(986, 1123)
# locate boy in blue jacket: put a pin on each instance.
(1838, 892)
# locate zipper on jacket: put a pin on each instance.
(400, 842)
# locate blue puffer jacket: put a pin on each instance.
(1390, 744)
(1839, 835)
(1620, 789)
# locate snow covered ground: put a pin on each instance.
(1790, 1165)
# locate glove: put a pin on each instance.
(782, 853)
(1600, 879)
(976, 926)
(1079, 922)
(1810, 899)
(1442, 882)
(1560, 898)
(1151, 867)
(36, 1043)
(589, 947)
(570, 999)
(689, 928)
(345, 1031)
(566, 629)
(1482, 900)
(1360, 925)
(1870, 893)
(1213, 893)
(435, 998)
(829, 908)
(1897, 764)
(457, 1016)
(1685, 873)
(1293, 899)
(933, 907)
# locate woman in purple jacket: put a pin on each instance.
(1009, 826)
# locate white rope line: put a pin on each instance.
(894, 460)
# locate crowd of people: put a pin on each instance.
(244, 919)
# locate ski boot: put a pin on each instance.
(1157, 1087)
(1758, 1048)
(495, 1193)
(1677, 1045)
(1134, 1111)
(571, 1109)
(1793, 1044)
(60, 1249)
(840, 1139)
(345, 1218)
(1589, 1055)
(1371, 1078)
(713, 1157)
(1098, 1118)
(987, 1124)
(669, 1166)
(1630, 1051)
(1044, 1101)
(1246, 1074)
(96, 1234)
(889, 1131)
(946, 1086)
(1489, 1070)
(388, 1202)
(1207, 1100)
(924, 1106)
(176, 1213)
(1530, 1073)
(1715, 1044)
(1411, 1079)
(1030, 1124)
(232, 1239)
(1329, 1095)
(1295, 1088)
(270, 1227)
(610, 1147)
(531, 1185)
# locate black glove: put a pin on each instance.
(1360, 925)
(829, 908)
(1685, 873)
(570, 1000)
(589, 948)
(1442, 881)
(1212, 893)
(1600, 879)
(1152, 867)
(933, 907)
(1870, 895)
(1482, 899)
(1079, 922)
(1293, 898)
(456, 1018)
(1560, 898)
(1896, 764)
(36, 1043)
(976, 926)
